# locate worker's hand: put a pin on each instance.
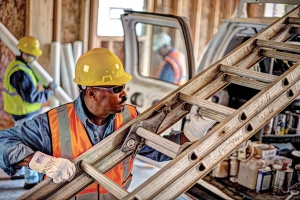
(198, 125)
(59, 169)
(52, 86)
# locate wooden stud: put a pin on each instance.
(216, 16)
(84, 24)
(57, 20)
(93, 23)
(197, 28)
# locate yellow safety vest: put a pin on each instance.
(13, 102)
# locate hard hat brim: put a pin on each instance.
(125, 78)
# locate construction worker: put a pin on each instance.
(173, 67)
(49, 141)
(22, 98)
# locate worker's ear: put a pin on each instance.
(91, 94)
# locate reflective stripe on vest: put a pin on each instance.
(70, 139)
(13, 102)
(177, 60)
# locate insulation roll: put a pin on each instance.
(77, 49)
(64, 73)
(71, 67)
(55, 69)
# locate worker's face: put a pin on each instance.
(28, 58)
(108, 99)
(163, 51)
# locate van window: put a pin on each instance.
(162, 53)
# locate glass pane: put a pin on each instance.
(162, 53)
(109, 12)
(277, 10)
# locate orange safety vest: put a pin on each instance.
(70, 139)
(177, 60)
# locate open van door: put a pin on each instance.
(143, 61)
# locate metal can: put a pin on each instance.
(275, 122)
(293, 123)
(280, 125)
(296, 123)
(283, 181)
(289, 122)
(268, 127)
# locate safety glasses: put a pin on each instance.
(116, 89)
(30, 56)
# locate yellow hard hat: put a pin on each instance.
(30, 45)
(98, 67)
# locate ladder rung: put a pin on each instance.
(279, 55)
(278, 45)
(159, 143)
(211, 115)
(104, 181)
(223, 110)
(295, 30)
(293, 20)
(248, 73)
(245, 82)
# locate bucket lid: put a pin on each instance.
(296, 153)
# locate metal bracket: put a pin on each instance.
(133, 141)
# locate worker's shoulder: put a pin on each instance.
(61, 108)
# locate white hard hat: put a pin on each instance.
(160, 40)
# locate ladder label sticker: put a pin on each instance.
(261, 103)
(225, 147)
(267, 112)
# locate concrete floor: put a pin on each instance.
(10, 189)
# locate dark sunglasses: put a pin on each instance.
(116, 89)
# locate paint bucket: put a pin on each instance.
(248, 170)
(283, 181)
(296, 157)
